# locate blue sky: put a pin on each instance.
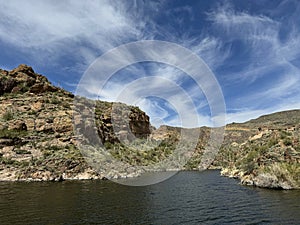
(252, 47)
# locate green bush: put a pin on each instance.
(272, 142)
(12, 133)
(284, 134)
(8, 161)
(287, 142)
(54, 147)
(8, 115)
(32, 112)
(55, 100)
(47, 153)
(21, 152)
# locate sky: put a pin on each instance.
(251, 47)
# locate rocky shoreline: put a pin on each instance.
(270, 181)
(263, 180)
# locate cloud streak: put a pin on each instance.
(37, 24)
(269, 68)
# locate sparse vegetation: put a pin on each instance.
(21, 151)
(54, 100)
(287, 142)
(141, 152)
(275, 153)
(5, 133)
(8, 115)
(32, 112)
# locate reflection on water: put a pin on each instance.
(187, 198)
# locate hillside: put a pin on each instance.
(37, 140)
(41, 127)
(264, 152)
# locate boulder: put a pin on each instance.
(41, 88)
(267, 180)
(23, 69)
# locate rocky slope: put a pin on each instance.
(41, 127)
(264, 152)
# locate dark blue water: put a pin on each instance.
(187, 198)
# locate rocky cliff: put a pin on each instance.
(37, 140)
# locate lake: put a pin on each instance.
(186, 198)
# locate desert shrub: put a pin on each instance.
(32, 112)
(5, 133)
(46, 100)
(287, 171)
(248, 164)
(47, 153)
(20, 151)
(24, 87)
(8, 161)
(66, 105)
(55, 100)
(263, 149)
(8, 115)
(287, 142)
(284, 134)
(272, 142)
(54, 147)
(108, 145)
(193, 163)
(6, 85)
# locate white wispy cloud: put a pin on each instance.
(36, 24)
(268, 57)
(50, 29)
(259, 33)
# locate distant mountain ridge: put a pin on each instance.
(286, 118)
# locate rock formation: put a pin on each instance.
(37, 140)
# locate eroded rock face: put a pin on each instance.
(113, 122)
